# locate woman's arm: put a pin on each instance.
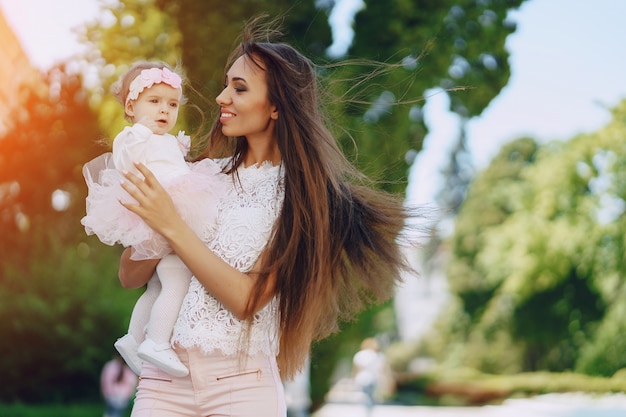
(231, 287)
(135, 274)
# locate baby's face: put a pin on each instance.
(156, 108)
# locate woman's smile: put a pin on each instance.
(225, 116)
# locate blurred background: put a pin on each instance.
(508, 115)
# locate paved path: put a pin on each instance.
(355, 410)
(551, 405)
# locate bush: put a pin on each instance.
(76, 410)
(59, 317)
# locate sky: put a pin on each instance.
(567, 57)
(568, 67)
(45, 27)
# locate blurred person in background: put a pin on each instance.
(117, 384)
(368, 368)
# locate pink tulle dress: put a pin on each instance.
(194, 187)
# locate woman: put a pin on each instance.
(301, 243)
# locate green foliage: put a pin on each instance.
(493, 196)
(60, 316)
(454, 43)
(439, 45)
(74, 410)
(537, 259)
(604, 354)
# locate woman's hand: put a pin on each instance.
(154, 204)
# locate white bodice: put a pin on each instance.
(164, 154)
(245, 220)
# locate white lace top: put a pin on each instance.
(245, 220)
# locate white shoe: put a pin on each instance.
(127, 347)
(162, 356)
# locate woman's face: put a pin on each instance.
(245, 109)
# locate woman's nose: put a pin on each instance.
(221, 98)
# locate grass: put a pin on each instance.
(72, 410)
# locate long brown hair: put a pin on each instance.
(334, 248)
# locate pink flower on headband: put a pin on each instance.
(148, 77)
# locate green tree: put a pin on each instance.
(537, 264)
(493, 196)
(604, 169)
(442, 45)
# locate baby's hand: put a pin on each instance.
(149, 123)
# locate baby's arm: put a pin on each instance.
(130, 146)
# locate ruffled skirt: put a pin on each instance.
(195, 197)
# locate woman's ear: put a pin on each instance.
(274, 114)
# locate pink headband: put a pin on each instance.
(148, 77)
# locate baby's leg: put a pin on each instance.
(128, 344)
(174, 277)
(141, 312)
(156, 348)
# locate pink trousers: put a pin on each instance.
(217, 385)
